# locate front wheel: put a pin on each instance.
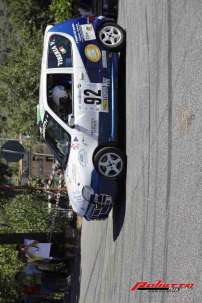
(111, 36)
(110, 162)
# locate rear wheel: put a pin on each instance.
(111, 36)
(110, 162)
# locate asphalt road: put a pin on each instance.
(156, 231)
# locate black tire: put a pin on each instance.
(104, 32)
(110, 162)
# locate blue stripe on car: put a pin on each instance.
(108, 131)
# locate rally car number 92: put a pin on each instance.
(77, 110)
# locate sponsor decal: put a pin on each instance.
(95, 97)
(92, 53)
(94, 127)
(82, 157)
(79, 32)
(84, 142)
(104, 59)
(76, 139)
(56, 52)
(45, 123)
(73, 174)
(105, 103)
(75, 33)
(105, 106)
(74, 146)
(160, 285)
(88, 32)
(92, 97)
(106, 81)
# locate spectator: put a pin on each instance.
(36, 283)
(35, 251)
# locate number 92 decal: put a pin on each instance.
(92, 97)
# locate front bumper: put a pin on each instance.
(99, 207)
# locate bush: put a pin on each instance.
(61, 9)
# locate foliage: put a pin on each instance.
(4, 172)
(19, 76)
(20, 51)
(24, 214)
(61, 9)
(29, 13)
(19, 79)
(9, 264)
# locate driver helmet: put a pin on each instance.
(60, 95)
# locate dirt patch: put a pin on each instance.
(185, 117)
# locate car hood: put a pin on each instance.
(74, 189)
(78, 203)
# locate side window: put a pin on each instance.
(57, 138)
(59, 52)
(59, 94)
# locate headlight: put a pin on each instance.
(87, 192)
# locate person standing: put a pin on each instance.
(36, 251)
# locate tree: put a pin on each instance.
(21, 52)
(61, 9)
(29, 13)
(19, 83)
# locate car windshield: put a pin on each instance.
(59, 52)
(58, 139)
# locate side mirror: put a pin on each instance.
(71, 121)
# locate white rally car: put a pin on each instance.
(77, 110)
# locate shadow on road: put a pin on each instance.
(120, 205)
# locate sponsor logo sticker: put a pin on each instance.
(104, 59)
(88, 32)
(74, 146)
(56, 52)
(105, 103)
(82, 157)
(92, 53)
